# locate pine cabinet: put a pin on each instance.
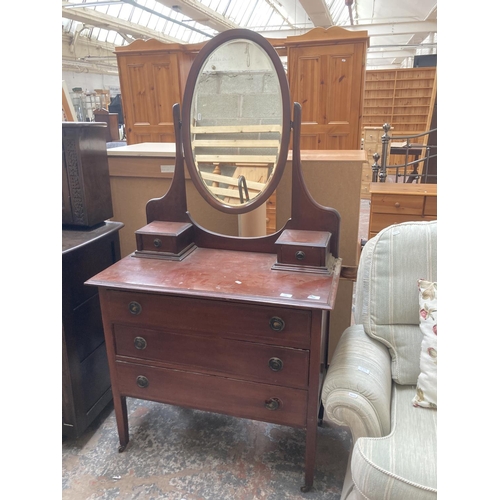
(152, 79)
(326, 71)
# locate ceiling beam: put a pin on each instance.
(423, 27)
(392, 54)
(318, 12)
(96, 19)
(89, 67)
(390, 29)
(200, 13)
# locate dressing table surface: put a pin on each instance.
(225, 274)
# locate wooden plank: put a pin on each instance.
(261, 159)
(231, 180)
(403, 188)
(232, 193)
(233, 129)
(235, 143)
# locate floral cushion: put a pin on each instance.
(426, 396)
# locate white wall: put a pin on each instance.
(92, 81)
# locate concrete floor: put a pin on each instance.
(180, 454)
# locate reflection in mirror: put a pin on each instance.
(236, 122)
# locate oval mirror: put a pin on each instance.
(236, 121)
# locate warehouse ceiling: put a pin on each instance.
(398, 29)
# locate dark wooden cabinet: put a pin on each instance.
(86, 386)
(86, 190)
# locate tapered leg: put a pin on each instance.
(311, 432)
(121, 413)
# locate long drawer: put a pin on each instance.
(257, 401)
(267, 324)
(217, 355)
(397, 204)
(381, 221)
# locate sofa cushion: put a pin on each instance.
(402, 465)
(399, 256)
(426, 395)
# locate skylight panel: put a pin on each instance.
(339, 12)
(115, 10)
(144, 19)
(102, 35)
(126, 12)
(101, 8)
(136, 15)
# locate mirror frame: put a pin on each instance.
(198, 64)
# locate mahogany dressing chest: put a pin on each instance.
(234, 325)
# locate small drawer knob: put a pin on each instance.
(157, 242)
(135, 308)
(397, 204)
(273, 404)
(276, 324)
(275, 364)
(140, 343)
(300, 255)
(142, 381)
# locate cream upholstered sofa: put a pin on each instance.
(372, 379)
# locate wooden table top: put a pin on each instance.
(223, 274)
(145, 149)
(76, 237)
(167, 149)
(403, 188)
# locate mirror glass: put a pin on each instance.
(236, 122)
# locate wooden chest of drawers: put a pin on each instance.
(392, 203)
(86, 386)
(219, 331)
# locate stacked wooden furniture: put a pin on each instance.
(326, 69)
(86, 191)
(232, 325)
(90, 244)
(405, 98)
(86, 386)
(402, 97)
(392, 203)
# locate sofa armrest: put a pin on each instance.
(357, 388)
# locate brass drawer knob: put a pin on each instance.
(142, 381)
(140, 343)
(276, 324)
(397, 204)
(275, 364)
(300, 255)
(157, 242)
(273, 404)
(135, 308)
